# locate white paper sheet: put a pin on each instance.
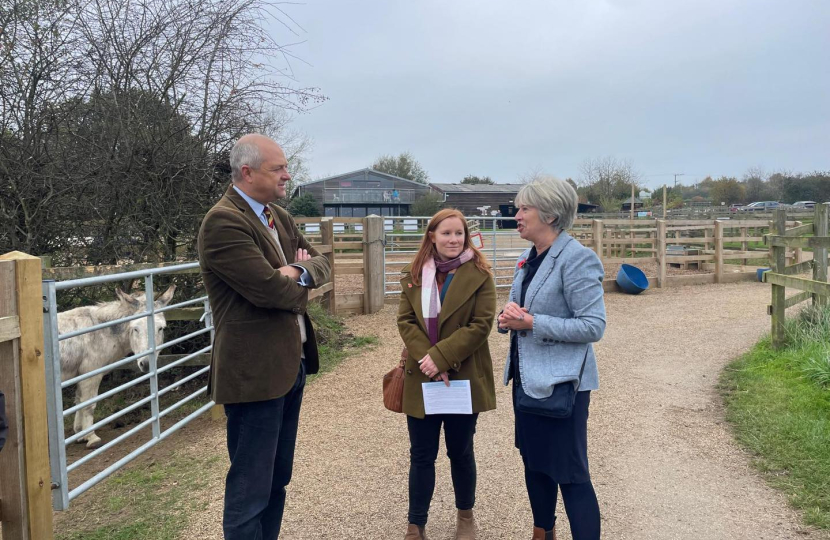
(442, 399)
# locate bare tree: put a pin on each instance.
(531, 175)
(609, 178)
(116, 119)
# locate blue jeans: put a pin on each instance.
(261, 440)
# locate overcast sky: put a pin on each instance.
(702, 87)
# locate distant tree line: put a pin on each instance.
(754, 186)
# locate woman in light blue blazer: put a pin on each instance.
(554, 314)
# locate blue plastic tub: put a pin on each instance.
(631, 279)
(760, 273)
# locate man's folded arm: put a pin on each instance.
(229, 250)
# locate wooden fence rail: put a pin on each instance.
(781, 276)
(709, 245)
(358, 251)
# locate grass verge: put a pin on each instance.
(153, 500)
(779, 404)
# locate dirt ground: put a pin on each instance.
(663, 460)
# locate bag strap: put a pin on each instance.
(582, 369)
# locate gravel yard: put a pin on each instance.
(664, 463)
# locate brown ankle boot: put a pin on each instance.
(414, 532)
(465, 526)
(541, 534)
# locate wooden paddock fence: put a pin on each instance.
(721, 250)
(781, 276)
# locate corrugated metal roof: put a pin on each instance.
(477, 188)
(367, 170)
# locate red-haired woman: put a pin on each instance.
(448, 304)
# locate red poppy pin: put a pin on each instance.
(522, 263)
(409, 285)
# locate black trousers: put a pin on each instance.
(261, 440)
(580, 505)
(424, 435)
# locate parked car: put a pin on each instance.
(735, 207)
(804, 205)
(761, 206)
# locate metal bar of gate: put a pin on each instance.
(138, 274)
(54, 398)
(149, 292)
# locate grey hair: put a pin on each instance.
(555, 199)
(244, 153)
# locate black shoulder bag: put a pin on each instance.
(560, 404)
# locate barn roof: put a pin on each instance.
(366, 172)
(477, 188)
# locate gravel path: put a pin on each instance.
(663, 461)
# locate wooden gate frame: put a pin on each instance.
(25, 481)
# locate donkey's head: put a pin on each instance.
(138, 328)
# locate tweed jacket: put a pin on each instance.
(464, 324)
(565, 298)
(257, 344)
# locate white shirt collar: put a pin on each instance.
(256, 206)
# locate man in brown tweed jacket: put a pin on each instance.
(257, 269)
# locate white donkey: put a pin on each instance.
(88, 352)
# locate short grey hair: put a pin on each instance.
(555, 199)
(244, 153)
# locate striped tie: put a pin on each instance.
(269, 218)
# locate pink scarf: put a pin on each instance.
(430, 297)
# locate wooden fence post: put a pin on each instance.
(797, 252)
(596, 225)
(718, 251)
(25, 479)
(779, 225)
(327, 233)
(820, 254)
(744, 244)
(661, 252)
(374, 274)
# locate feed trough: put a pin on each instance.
(631, 279)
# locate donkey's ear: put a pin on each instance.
(126, 298)
(165, 298)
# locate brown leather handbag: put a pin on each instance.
(393, 386)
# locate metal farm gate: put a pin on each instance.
(62, 492)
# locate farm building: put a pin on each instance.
(472, 198)
(367, 191)
(364, 192)
(626, 205)
(479, 199)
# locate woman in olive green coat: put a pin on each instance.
(447, 308)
